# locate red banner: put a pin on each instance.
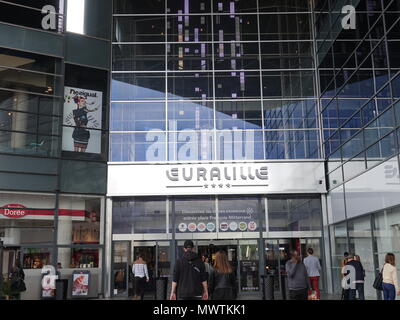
(16, 211)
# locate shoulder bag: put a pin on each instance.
(379, 280)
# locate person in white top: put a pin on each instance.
(390, 283)
(141, 276)
(313, 270)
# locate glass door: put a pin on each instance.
(277, 253)
(249, 280)
(147, 250)
(120, 269)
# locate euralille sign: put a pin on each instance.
(208, 178)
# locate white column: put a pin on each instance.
(19, 120)
(64, 236)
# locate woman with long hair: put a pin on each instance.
(141, 277)
(222, 279)
(390, 283)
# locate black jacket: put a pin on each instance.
(189, 273)
(360, 272)
(222, 281)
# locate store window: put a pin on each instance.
(139, 215)
(294, 214)
(29, 103)
(79, 220)
(36, 258)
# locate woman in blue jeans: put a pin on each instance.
(390, 283)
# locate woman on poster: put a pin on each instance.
(81, 135)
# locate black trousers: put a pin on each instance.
(140, 286)
(301, 294)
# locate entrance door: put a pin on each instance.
(277, 253)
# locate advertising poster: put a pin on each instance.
(82, 120)
(80, 284)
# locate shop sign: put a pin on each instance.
(216, 178)
(13, 211)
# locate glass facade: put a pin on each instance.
(215, 80)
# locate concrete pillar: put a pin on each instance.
(12, 236)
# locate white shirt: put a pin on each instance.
(140, 270)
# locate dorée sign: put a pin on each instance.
(230, 178)
(13, 211)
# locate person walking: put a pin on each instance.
(358, 283)
(190, 276)
(17, 277)
(313, 267)
(390, 283)
(141, 277)
(345, 290)
(222, 283)
(298, 281)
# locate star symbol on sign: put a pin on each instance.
(206, 186)
(228, 185)
(221, 185)
(213, 185)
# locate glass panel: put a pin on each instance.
(235, 115)
(120, 268)
(190, 115)
(294, 214)
(139, 215)
(36, 258)
(139, 57)
(387, 234)
(139, 29)
(189, 85)
(138, 86)
(339, 247)
(249, 266)
(237, 84)
(137, 116)
(361, 245)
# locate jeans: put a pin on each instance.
(360, 289)
(301, 294)
(389, 291)
(315, 286)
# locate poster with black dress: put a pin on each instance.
(82, 120)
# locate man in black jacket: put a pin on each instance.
(359, 278)
(190, 276)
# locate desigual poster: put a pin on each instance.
(82, 120)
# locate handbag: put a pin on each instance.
(378, 281)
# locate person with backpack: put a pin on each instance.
(390, 284)
(190, 276)
(141, 277)
(222, 279)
